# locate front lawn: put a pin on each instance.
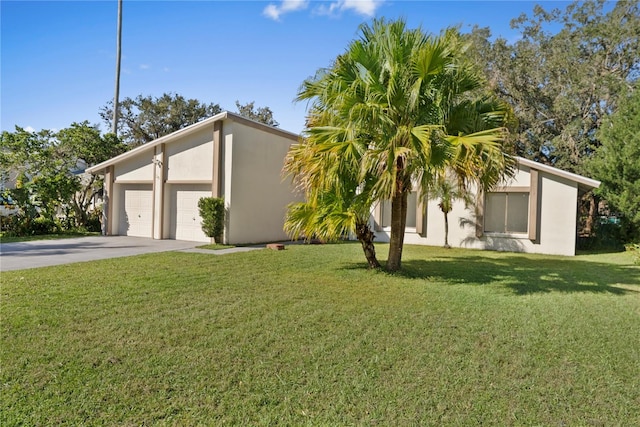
(4, 238)
(308, 336)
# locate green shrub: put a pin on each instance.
(634, 248)
(212, 214)
(42, 225)
(606, 237)
(93, 220)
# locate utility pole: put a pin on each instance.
(114, 128)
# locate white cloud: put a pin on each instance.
(144, 66)
(29, 129)
(274, 11)
(362, 7)
(166, 69)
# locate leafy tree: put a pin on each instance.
(562, 84)
(146, 118)
(261, 114)
(82, 145)
(617, 163)
(42, 182)
(395, 109)
(49, 170)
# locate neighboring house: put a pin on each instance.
(535, 211)
(153, 190)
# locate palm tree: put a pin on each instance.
(337, 201)
(446, 191)
(480, 165)
(382, 109)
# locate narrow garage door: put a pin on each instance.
(136, 212)
(186, 223)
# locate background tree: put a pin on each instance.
(146, 118)
(49, 170)
(384, 109)
(82, 146)
(43, 185)
(562, 84)
(260, 114)
(617, 163)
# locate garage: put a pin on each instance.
(136, 211)
(153, 190)
(185, 220)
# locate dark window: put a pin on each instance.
(506, 213)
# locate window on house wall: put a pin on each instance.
(411, 209)
(385, 211)
(506, 213)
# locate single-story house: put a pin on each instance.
(535, 211)
(153, 190)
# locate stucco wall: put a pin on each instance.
(135, 169)
(557, 211)
(255, 194)
(559, 204)
(182, 155)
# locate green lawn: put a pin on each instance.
(65, 235)
(307, 336)
(216, 246)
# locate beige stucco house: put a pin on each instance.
(153, 190)
(535, 211)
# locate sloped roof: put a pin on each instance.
(584, 183)
(225, 115)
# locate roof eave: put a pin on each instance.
(187, 130)
(162, 140)
(584, 183)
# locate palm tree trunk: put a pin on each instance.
(366, 236)
(398, 223)
(446, 230)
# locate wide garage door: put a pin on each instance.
(186, 223)
(136, 211)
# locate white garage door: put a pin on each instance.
(186, 223)
(136, 213)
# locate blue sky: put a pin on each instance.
(58, 58)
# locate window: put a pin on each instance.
(412, 200)
(506, 213)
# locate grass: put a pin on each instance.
(307, 336)
(216, 246)
(65, 235)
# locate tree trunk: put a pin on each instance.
(446, 230)
(593, 212)
(366, 236)
(398, 223)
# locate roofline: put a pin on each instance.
(587, 183)
(225, 115)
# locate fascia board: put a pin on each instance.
(586, 182)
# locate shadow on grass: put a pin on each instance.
(523, 275)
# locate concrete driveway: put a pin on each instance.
(42, 253)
